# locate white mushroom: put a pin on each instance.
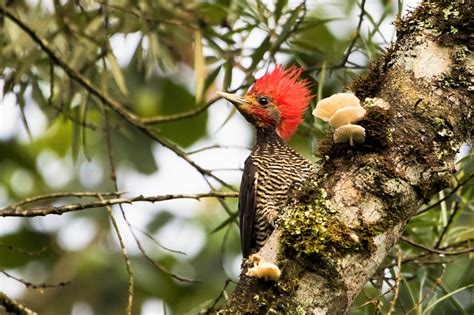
(329, 105)
(263, 269)
(347, 115)
(349, 133)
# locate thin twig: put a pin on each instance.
(218, 146)
(109, 210)
(430, 251)
(125, 256)
(154, 240)
(179, 116)
(80, 194)
(355, 37)
(47, 210)
(219, 199)
(35, 286)
(357, 33)
(436, 283)
(23, 251)
(373, 301)
(436, 250)
(210, 309)
(452, 192)
(397, 284)
(124, 216)
(228, 169)
(448, 225)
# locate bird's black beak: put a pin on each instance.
(234, 99)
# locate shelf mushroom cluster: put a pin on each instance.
(342, 110)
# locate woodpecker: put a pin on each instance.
(274, 105)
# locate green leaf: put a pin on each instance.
(409, 289)
(227, 74)
(21, 102)
(199, 67)
(76, 134)
(259, 52)
(84, 107)
(117, 73)
(286, 31)
(262, 12)
(279, 5)
(164, 96)
(312, 22)
(444, 297)
(212, 77)
(321, 81)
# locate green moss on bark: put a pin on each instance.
(450, 21)
(311, 227)
(460, 75)
(272, 297)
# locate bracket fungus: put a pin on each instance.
(263, 269)
(347, 115)
(329, 105)
(349, 133)
(341, 110)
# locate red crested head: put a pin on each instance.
(276, 100)
(288, 95)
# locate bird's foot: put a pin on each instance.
(272, 217)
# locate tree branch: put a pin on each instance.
(15, 211)
(437, 250)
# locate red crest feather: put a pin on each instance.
(289, 95)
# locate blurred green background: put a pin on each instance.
(160, 58)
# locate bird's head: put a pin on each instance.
(276, 100)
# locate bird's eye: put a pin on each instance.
(263, 100)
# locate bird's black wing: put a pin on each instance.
(247, 206)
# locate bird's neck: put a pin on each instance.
(267, 135)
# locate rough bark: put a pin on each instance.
(419, 113)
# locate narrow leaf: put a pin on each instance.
(259, 52)
(262, 11)
(227, 74)
(212, 77)
(444, 297)
(21, 102)
(117, 73)
(76, 135)
(321, 81)
(280, 4)
(286, 31)
(199, 67)
(85, 107)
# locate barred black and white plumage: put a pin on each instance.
(270, 172)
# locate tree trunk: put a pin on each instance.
(336, 233)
